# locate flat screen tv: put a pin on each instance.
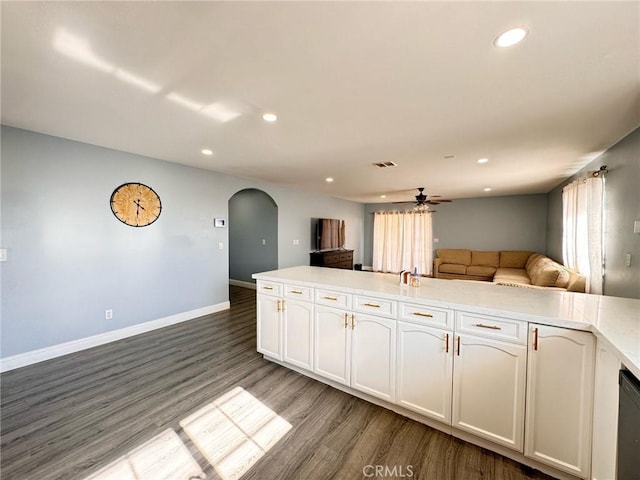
(328, 233)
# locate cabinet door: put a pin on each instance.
(489, 389)
(332, 344)
(560, 398)
(424, 369)
(269, 329)
(373, 355)
(297, 326)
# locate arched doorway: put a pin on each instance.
(253, 234)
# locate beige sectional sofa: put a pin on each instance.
(515, 268)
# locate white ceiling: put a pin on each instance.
(352, 83)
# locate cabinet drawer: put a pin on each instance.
(426, 315)
(296, 291)
(346, 265)
(346, 256)
(331, 259)
(492, 327)
(269, 288)
(375, 306)
(333, 298)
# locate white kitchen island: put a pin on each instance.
(511, 369)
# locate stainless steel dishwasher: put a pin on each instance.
(629, 427)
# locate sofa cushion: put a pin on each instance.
(513, 259)
(458, 256)
(577, 282)
(486, 259)
(452, 268)
(533, 258)
(511, 275)
(544, 272)
(481, 270)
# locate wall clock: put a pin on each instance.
(135, 204)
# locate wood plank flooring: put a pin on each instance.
(68, 417)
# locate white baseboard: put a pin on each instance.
(240, 283)
(367, 268)
(47, 353)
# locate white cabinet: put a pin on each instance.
(297, 326)
(285, 323)
(424, 368)
(489, 379)
(269, 325)
(472, 371)
(560, 398)
(332, 344)
(373, 355)
(605, 414)
(355, 349)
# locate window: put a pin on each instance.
(582, 236)
(402, 241)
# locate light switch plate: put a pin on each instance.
(636, 226)
(3, 254)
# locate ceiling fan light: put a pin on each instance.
(269, 117)
(511, 37)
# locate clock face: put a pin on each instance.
(135, 204)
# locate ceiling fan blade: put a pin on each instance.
(435, 196)
(404, 202)
(444, 200)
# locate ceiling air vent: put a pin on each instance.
(384, 164)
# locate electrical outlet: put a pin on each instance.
(108, 314)
(264, 241)
(296, 242)
(627, 260)
(3, 254)
(436, 240)
(220, 245)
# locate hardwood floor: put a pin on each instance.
(69, 417)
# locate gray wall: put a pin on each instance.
(69, 258)
(515, 222)
(622, 208)
(253, 234)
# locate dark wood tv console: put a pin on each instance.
(333, 259)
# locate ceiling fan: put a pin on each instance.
(423, 201)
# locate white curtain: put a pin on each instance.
(402, 241)
(582, 237)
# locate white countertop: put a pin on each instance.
(614, 320)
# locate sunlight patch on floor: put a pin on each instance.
(234, 431)
(164, 457)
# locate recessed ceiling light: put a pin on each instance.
(206, 151)
(511, 37)
(328, 179)
(482, 160)
(487, 189)
(383, 196)
(270, 117)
